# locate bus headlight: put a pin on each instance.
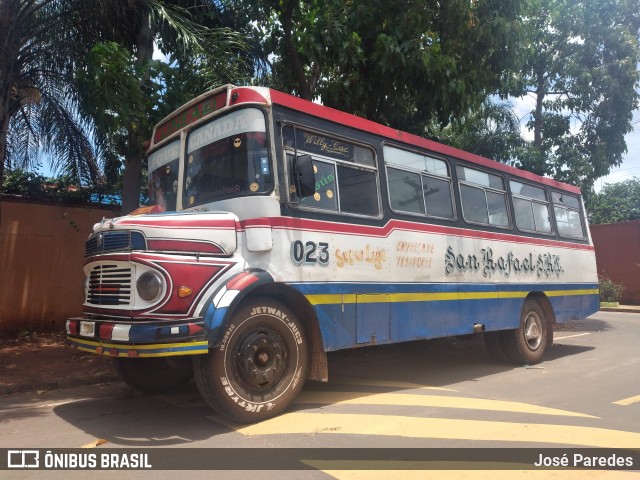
(149, 286)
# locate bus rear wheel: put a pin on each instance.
(155, 375)
(527, 343)
(260, 366)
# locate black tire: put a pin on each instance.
(155, 375)
(527, 343)
(260, 366)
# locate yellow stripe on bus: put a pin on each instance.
(155, 346)
(338, 298)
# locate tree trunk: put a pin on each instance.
(132, 176)
(304, 88)
(4, 125)
(537, 119)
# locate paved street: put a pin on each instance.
(437, 394)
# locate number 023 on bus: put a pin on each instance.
(281, 230)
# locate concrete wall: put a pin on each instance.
(617, 248)
(41, 260)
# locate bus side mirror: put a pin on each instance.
(304, 178)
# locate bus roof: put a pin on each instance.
(231, 95)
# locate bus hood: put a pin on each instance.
(197, 232)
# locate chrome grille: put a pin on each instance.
(110, 285)
(104, 242)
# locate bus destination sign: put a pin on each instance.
(190, 115)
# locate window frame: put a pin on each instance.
(421, 173)
(484, 188)
(531, 201)
(287, 150)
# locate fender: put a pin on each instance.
(223, 302)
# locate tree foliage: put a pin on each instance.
(126, 92)
(580, 68)
(76, 75)
(616, 202)
(72, 67)
(406, 67)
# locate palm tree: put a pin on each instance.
(44, 44)
(492, 130)
(39, 50)
(197, 36)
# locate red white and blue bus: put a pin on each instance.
(283, 230)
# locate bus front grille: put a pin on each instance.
(110, 285)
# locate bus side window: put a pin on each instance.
(345, 173)
(483, 196)
(405, 191)
(358, 191)
(418, 183)
(531, 208)
(567, 212)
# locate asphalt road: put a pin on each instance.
(445, 393)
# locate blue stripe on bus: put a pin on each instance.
(347, 321)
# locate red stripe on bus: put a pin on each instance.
(393, 225)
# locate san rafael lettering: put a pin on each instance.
(543, 265)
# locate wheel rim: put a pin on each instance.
(533, 330)
(261, 359)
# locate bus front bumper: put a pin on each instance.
(137, 339)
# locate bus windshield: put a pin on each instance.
(227, 157)
(163, 176)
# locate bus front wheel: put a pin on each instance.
(260, 366)
(527, 343)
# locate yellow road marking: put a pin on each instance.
(442, 428)
(471, 474)
(371, 398)
(628, 401)
(95, 443)
(388, 383)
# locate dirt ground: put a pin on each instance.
(43, 361)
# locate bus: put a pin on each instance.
(282, 229)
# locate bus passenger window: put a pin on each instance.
(483, 197)
(437, 197)
(358, 191)
(531, 208)
(567, 212)
(418, 183)
(474, 204)
(405, 191)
